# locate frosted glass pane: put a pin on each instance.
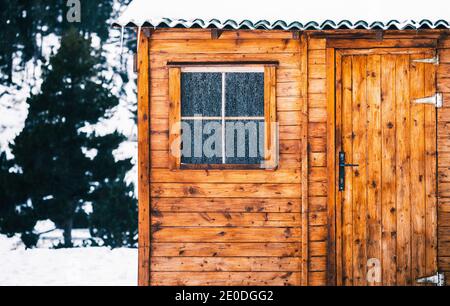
(201, 94)
(244, 94)
(201, 142)
(244, 142)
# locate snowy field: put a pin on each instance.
(65, 267)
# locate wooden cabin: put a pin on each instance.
(351, 181)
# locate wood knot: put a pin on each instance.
(192, 190)
(227, 215)
(288, 232)
(156, 213)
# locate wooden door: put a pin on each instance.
(386, 215)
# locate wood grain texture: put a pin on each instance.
(174, 141)
(284, 176)
(226, 234)
(192, 208)
(303, 79)
(270, 118)
(389, 204)
(332, 127)
(225, 278)
(171, 219)
(418, 170)
(443, 115)
(359, 157)
(374, 158)
(216, 204)
(208, 190)
(232, 249)
(225, 264)
(386, 43)
(403, 172)
(206, 199)
(346, 261)
(431, 212)
(144, 163)
(225, 46)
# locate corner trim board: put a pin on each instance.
(144, 166)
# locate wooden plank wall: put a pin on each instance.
(243, 227)
(317, 146)
(228, 227)
(443, 80)
(317, 137)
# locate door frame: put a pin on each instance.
(336, 48)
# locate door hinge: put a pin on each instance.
(438, 279)
(433, 60)
(435, 100)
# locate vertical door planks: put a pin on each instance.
(417, 169)
(430, 172)
(373, 164)
(388, 206)
(388, 188)
(347, 196)
(402, 170)
(359, 173)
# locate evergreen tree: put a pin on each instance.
(23, 22)
(56, 175)
(114, 217)
(18, 218)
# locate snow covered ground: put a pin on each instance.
(65, 267)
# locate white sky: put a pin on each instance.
(303, 11)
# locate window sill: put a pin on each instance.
(224, 167)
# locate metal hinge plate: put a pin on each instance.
(438, 279)
(435, 100)
(433, 60)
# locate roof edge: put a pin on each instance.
(282, 25)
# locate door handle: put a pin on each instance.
(342, 166)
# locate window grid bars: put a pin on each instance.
(223, 118)
(220, 118)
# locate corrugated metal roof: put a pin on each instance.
(280, 24)
(288, 14)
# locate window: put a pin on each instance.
(222, 117)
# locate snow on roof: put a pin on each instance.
(288, 14)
